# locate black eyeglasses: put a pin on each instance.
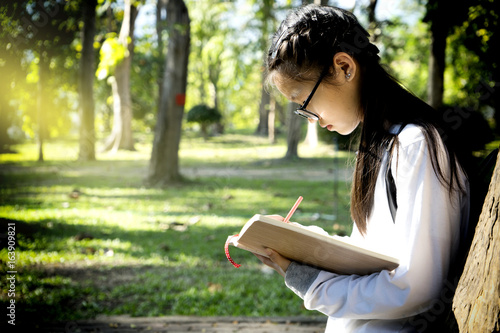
(301, 111)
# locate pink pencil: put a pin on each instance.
(294, 208)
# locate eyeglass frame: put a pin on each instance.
(301, 110)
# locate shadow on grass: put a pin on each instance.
(121, 248)
(193, 278)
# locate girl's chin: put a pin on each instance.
(343, 131)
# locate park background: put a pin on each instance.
(136, 137)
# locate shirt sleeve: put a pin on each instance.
(423, 237)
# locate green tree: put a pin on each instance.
(267, 24)
(86, 83)
(312, 128)
(475, 52)
(441, 16)
(115, 65)
(212, 54)
(37, 38)
(204, 116)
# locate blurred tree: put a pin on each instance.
(161, 27)
(86, 80)
(406, 48)
(480, 33)
(116, 59)
(145, 77)
(164, 163)
(293, 133)
(267, 24)
(212, 51)
(37, 38)
(441, 16)
(312, 128)
(439, 20)
(205, 116)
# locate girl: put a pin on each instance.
(409, 194)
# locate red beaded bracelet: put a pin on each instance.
(226, 249)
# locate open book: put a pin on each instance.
(297, 243)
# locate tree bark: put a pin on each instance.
(164, 162)
(87, 70)
(121, 135)
(476, 303)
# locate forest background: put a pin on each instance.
(120, 122)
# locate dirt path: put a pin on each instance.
(289, 173)
(183, 324)
(343, 174)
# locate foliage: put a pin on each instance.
(225, 65)
(203, 114)
(144, 76)
(406, 51)
(35, 33)
(474, 57)
(111, 54)
(93, 240)
(221, 66)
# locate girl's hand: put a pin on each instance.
(276, 217)
(275, 261)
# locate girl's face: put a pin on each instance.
(337, 104)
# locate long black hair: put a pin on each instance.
(305, 44)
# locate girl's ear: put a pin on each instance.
(345, 66)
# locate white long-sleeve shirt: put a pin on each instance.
(424, 237)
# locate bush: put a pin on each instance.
(204, 115)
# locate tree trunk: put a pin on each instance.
(164, 163)
(496, 96)
(435, 84)
(161, 8)
(265, 99)
(266, 16)
(312, 135)
(121, 135)
(293, 135)
(312, 130)
(42, 100)
(272, 121)
(476, 303)
(439, 32)
(87, 70)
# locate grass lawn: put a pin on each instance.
(92, 239)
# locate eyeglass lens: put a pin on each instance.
(301, 111)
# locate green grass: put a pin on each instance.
(119, 247)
